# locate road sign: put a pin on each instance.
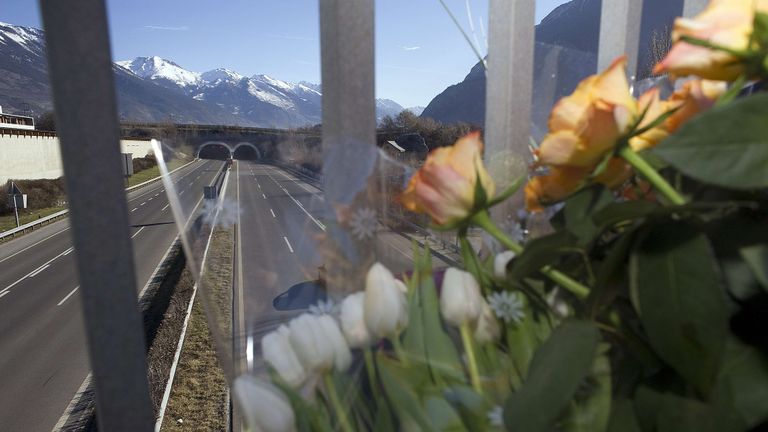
(127, 164)
(13, 189)
(18, 201)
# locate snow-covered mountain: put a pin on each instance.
(153, 89)
(261, 99)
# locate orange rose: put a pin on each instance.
(562, 182)
(445, 186)
(726, 23)
(587, 124)
(691, 99)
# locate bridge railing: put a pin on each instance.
(81, 73)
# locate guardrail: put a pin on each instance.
(4, 236)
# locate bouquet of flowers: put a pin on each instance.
(642, 310)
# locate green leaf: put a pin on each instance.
(541, 252)
(727, 146)
(556, 371)
(674, 282)
(591, 412)
(617, 213)
(623, 418)
(579, 209)
(399, 383)
(521, 339)
(756, 258)
(473, 408)
(442, 414)
(425, 339)
(742, 387)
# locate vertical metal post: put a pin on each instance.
(81, 74)
(509, 91)
(349, 119)
(620, 33)
(692, 8)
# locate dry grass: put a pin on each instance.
(8, 222)
(150, 173)
(199, 399)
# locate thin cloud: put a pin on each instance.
(415, 69)
(290, 37)
(411, 48)
(166, 28)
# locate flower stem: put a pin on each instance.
(399, 350)
(474, 373)
(371, 369)
(336, 402)
(650, 174)
(483, 220)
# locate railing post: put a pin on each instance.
(349, 122)
(692, 8)
(81, 74)
(620, 33)
(509, 91)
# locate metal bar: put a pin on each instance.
(509, 91)
(620, 33)
(692, 8)
(81, 74)
(349, 121)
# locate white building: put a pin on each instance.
(11, 121)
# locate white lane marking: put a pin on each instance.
(257, 184)
(265, 197)
(30, 274)
(181, 193)
(273, 213)
(134, 209)
(317, 222)
(137, 232)
(68, 251)
(33, 245)
(301, 185)
(68, 296)
(290, 248)
(157, 194)
(150, 199)
(166, 206)
(144, 203)
(38, 271)
(5, 293)
(249, 353)
(162, 190)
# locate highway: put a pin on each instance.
(43, 352)
(277, 247)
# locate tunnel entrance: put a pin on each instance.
(246, 152)
(214, 151)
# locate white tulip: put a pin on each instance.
(385, 304)
(277, 351)
(342, 356)
(263, 406)
(487, 327)
(500, 263)
(353, 321)
(460, 299)
(315, 353)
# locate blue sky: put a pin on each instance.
(419, 51)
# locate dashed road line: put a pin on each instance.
(137, 232)
(273, 213)
(265, 197)
(166, 206)
(68, 251)
(134, 209)
(39, 270)
(68, 296)
(290, 248)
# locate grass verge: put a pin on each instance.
(150, 173)
(199, 398)
(8, 222)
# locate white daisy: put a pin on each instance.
(363, 223)
(323, 307)
(507, 306)
(496, 417)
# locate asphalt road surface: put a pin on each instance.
(43, 353)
